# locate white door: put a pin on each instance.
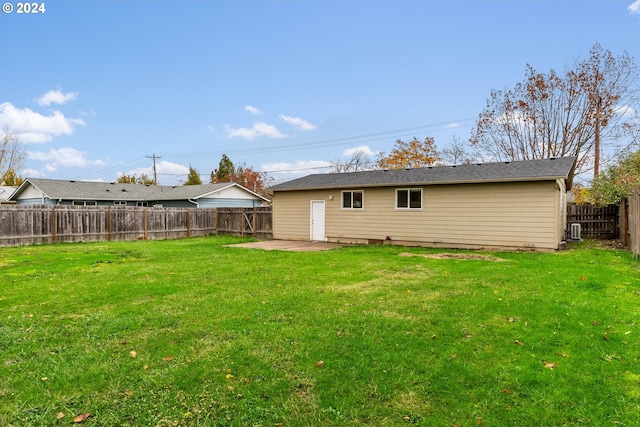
(317, 220)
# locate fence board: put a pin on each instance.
(634, 223)
(35, 224)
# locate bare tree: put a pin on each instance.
(12, 154)
(359, 161)
(549, 115)
(459, 153)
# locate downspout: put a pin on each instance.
(195, 202)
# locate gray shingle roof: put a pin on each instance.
(87, 190)
(525, 170)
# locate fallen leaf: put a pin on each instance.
(229, 376)
(168, 358)
(563, 354)
(506, 391)
(550, 365)
(145, 367)
(319, 364)
(44, 378)
(518, 342)
(479, 421)
(128, 392)
(605, 336)
(80, 418)
(123, 342)
(133, 353)
(583, 278)
(595, 323)
(59, 416)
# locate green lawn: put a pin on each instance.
(193, 332)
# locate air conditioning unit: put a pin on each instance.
(576, 231)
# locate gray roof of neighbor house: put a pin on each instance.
(524, 170)
(88, 190)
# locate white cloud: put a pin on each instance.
(253, 110)
(284, 171)
(63, 157)
(31, 173)
(56, 97)
(30, 126)
(364, 148)
(625, 110)
(259, 129)
(298, 123)
(634, 8)
(167, 171)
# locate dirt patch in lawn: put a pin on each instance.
(456, 256)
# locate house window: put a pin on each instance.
(120, 203)
(85, 203)
(409, 198)
(352, 199)
(142, 204)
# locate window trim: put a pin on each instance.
(342, 194)
(409, 191)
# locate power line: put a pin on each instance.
(326, 143)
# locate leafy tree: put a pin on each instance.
(134, 179)
(251, 179)
(618, 181)
(243, 175)
(412, 154)
(359, 161)
(552, 115)
(193, 178)
(225, 172)
(10, 178)
(12, 154)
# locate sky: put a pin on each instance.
(97, 89)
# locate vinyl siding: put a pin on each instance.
(521, 215)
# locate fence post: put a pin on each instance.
(109, 224)
(188, 222)
(144, 223)
(54, 226)
(255, 214)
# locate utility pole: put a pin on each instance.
(155, 174)
(596, 158)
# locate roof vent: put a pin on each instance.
(552, 158)
(407, 169)
(506, 163)
(124, 190)
(71, 180)
(453, 166)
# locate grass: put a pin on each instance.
(193, 332)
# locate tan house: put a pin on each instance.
(516, 205)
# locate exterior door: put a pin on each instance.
(317, 220)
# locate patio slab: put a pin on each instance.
(289, 245)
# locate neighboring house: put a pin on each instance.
(60, 192)
(5, 192)
(519, 204)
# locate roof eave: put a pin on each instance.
(422, 183)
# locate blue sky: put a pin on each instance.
(93, 88)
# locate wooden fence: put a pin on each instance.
(596, 222)
(633, 215)
(31, 224)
